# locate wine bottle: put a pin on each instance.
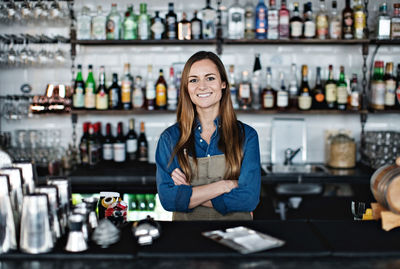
(119, 145)
(296, 23)
(347, 22)
(90, 90)
(143, 146)
(390, 83)
(78, 99)
(126, 88)
(161, 92)
(305, 99)
(102, 95)
(318, 94)
(83, 148)
(341, 90)
(261, 20)
(108, 141)
(131, 141)
(92, 146)
(114, 93)
(330, 90)
(171, 22)
(196, 27)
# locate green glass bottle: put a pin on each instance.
(130, 25)
(90, 90)
(143, 23)
(113, 24)
(78, 99)
(341, 90)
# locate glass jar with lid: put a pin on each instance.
(342, 151)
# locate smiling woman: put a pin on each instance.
(208, 163)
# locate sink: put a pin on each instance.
(295, 168)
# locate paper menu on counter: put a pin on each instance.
(244, 240)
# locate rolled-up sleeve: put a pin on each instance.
(246, 196)
(172, 197)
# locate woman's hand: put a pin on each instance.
(179, 177)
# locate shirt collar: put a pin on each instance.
(217, 123)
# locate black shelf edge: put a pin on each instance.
(144, 42)
(296, 41)
(385, 41)
(121, 112)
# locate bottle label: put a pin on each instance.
(143, 28)
(348, 25)
(335, 29)
(171, 24)
(107, 152)
(131, 145)
(99, 28)
(172, 96)
(113, 98)
(322, 26)
(84, 153)
(284, 26)
(378, 89)
(196, 28)
(296, 29)
(126, 91)
(282, 99)
(157, 28)
(390, 94)
(150, 91)
(129, 29)
(319, 97)
(119, 152)
(137, 98)
(93, 154)
(305, 102)
(359, 24)
(268, 101)
(143, 153)
(90, 98)
(161, 95)
(209, 24)
(309, 29)
(273, 23)
(330, 93)
(355, 99)
(101, 101)
(395, 28)
(83, 27)
(110, 29)
(244, 91)
(342, 94)
(78, 98)
(398, 95)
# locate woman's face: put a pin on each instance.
(205, 85)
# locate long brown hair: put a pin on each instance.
(231, 135)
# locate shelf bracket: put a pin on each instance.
(219, 39)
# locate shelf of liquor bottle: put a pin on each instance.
(296, 41)
(144, 42)
(385, 41)
(121, 112)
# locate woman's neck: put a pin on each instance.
(206, 119)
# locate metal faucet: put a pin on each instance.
(290, 154)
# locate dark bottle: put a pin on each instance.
(108, 141)
(157, 27)
(119, 145)
(268, 93)
(318, 94)
(341, 89)
(143, 147)
(390, 83)
(114, 93)
(98, 137)
(92, 146)
(196, 27)
(131, 141)
(309, 22)
(78, 98)
(330, 90)
(83, 149)
(398, 87)
(161, 92)
(305, 99)
(347, 22)
(184, 28)
(171, 22)
(296, 23)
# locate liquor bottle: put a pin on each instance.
(157, 27)
(113, 26)
(83, 149)
(150, 89)
(172, 91)
(383, 25)
(114, 93)
(398, 87)
(335, 23)
(222, 11)
(138, 98)
(143, 23)
(293, 86)
(256, 83)
(78, 98)
(318, 95)
(83, 24)
(305, 99)
(268, 93)
(244, 92)
(98, 138)
(395, 29)
(236, 21)
(184, 28)
(102, 94)
(354, 102)
(282, 96)
(233, 87)
(249, 20)
(341, 91)
(131, 141)
(309, 22)
(99, 25)
(209, 16)
(90, 90)
(273, 20)
(284, 17)
(390, 85)
(130, 25)
(322, 21)
(108, 141)
(119, 145)
(347, 22)
(126, 88)
(196, 27)
(360, 20)
(378, 89)
(330, 90)
(171, 22)
(161, 92)
(92, 146)
(296, 23)
(261, 20)
(143, 147)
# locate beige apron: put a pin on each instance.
(210, 169)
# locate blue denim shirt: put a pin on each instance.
(244, 198)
